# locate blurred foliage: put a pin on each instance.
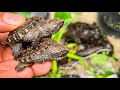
(52, 75)
(103, 74)
(26, 14)
(73, 47)
(67, 17)
(76, 57)
(101, 58)
(57, 75)
(70, 45)
(54, 66)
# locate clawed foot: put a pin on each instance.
(21, 66)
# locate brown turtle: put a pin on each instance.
(46, 50)
(32, 31)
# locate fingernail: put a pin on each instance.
(13, 19)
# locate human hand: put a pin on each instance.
(9, 22)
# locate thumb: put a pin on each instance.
(10, 21)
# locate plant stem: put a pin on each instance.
(54, 66)
(73, 56)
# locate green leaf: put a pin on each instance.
(76, 57)
(56, 75)
(102, 58)
(63, 15)
(99, 59)
(57, 37)
(25, 14)
(104, 74)
(71, 45)
(66, 16)
(78, 13)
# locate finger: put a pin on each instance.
(3, 36)
(41, 69)
(7, 54)
(7, 70)
(8, 65)
(26, 73)
(10, 21)
(1, 53)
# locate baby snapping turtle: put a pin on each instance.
(32, 43)
(47, 49)
(32, 31)
(88, 37)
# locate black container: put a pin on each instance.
(109, 23)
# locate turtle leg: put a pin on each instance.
(16, 49)
(21, 66)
